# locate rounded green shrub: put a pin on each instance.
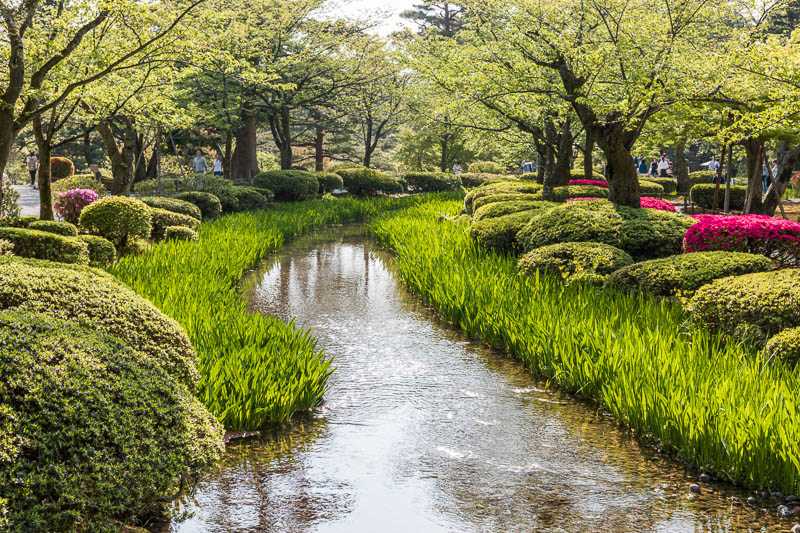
(180, 233)
(499, 209)
(649, 188)
(266, 193)
(642, 233)
(575, 261)
(483, 201)
(368, 182)
(98, 433)
(763, 303)
(45, 245)
(161, 219)
(329, 181)
(101, 251)
(702, 195)
(785, 346)
(118, 219)
(498, 187)
(476, 179)
(579, 174)
(79, 181)
(59, 228)
(342, 166)
(562, 194)
(17, 222)
(222, 188)
(701, 176)
(684, 274)
(289, 185)
(175, 205)
(6, 248)
(169, 186)
(433, 181)
(670, 185)
(249, 199)
(486, 167)
(209, 205)
(88, 295)
(500, 234)
(60, 168)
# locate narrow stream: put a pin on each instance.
(424, 431)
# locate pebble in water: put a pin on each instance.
(763, 494)
(796, 528)
(784, 511)
(694, 487)
(705, 478)
(777, 495)
(751, 500)
(791, 498)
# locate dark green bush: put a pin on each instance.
(499, 187)
(650, 188)
(266, 193)
(486, 167)
(59, 228)
(643, 233)
(343, 166)
(368, 182)
(475, 179)
(101, 251)
(579, 174)
(161, 219)
(88, 295)
(433, 181)
(499, 209)
(60, 168)
(180, 233)
(209, 205)
(118, 219)
(173, 204)
(6, 247)
(79, 181)
(289, 185)
(763, 303)
(45, 245)
(701, 176)
(169, 186)
(17, 222)
(702, 195)
(785, 346)
(500, 234)
(92, 431)
(483, 201)
(684, 274)
(222, 188)
(329, 181)
(250, 199)
(575, 261)
(561, 194)
(670, 185)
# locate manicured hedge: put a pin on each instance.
(209, 205)
(104, 304)
(433, 181)
(561, 194)
(701, 176)
(499, 187)
(763, 303)
(684, 274)
(785, 346)
(161, 219)
(579, 174)
(647, 188)
(670, 185)
(504, 197)
(222, 188)
(329, 181)
(500, 234)
(575, 261)
(59, 228)
(368, 182)
(703, 196)
(485, 167)
(289, 185)
(60, 168)
(101, 251)
(643, 233)
(17, 222)
(118, 219)
(250, 199)
(173, 204)
(180, 233)
(90, 430)
(45, 245)
(6, 247)
(266, 193)
(79, 181)
(476, 179)
(499, 209)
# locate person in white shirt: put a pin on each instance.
(663, 166)
(33, 164)
(457, 168)
(713, 166)
(217, 165)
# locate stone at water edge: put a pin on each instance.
(784, 511)
(751, 500)
(704, 478)
(777, 495)
(796, 528)
(694, 487)
(791, 498)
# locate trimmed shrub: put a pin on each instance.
(88, 295)
(701, 177)
(581, 175)
(785, 346)
(173, 204)
(589, 199)
(101, 251)
(649, 187)
(433, 181)
(762, 303)
(575, 261)
(69, 204)
(6, 248)
(643, 233)
(60, 168)
(343, 166)
(78, 181)
(220, 187)
(774, 238)
(476, 179)
(561, 194)
(499, 209)
(59, 228)
(368, 182)
(703, 195)
(329, 181)
(266, 193)
(499, 187)
(169, 186)
(289, 185)
(250, 199)
(669, 185)
(97, 432)
(595, 183)
(504, 197)
(45, 245)
(118, 219)
(180, 233)
(655, 203)
(684, 274)
(210, 206)
(17, 222)
(161, 219)
(500, 234)
(485, 167)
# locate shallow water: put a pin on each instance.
(425, 431)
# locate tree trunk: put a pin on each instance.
(6, 139)
(228, 155)
(563, 162)
(623, 178)
(152, 163)
(43, 177)
(319, 153)
(444, 142)
(140, 165)
(753, 203)
(588, 167)
(368, 144)
(122, 159)
(286, 135)
(244, 162)
(788, 159)
(680, 170)
(541, 152)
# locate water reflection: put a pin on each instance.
(425, 431)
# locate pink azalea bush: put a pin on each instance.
(655, 203)
(582, 199)
(596, 183)
(69, 204)
(775, 238)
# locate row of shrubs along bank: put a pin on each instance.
(715, 403)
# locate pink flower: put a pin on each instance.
(655, 203)
(70, 203)
(596, 183)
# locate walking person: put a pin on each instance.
(457, 169)
(527, 166)
(713, 166)
(33, 165)
(642, 167)
(663, 166)
(199, 163)
(764, 177)
(216, 166)
(654, 168)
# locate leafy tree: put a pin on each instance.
(444, 18)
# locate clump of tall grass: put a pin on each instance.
(254, 369)
(707, 398)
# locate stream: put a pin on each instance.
(423, 430)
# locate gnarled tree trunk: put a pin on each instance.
(43, 177)
(680, 170)
(244, 161)
(588, 167)
(122, 157)
(753, 203)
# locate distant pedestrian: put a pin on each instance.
(217, 165)
(527, 166)
(663, 166)
(33, 165)
(642, 167)
(654, 168)
(457, 169)
(764, 177)
(713, 166)
(199, 163)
